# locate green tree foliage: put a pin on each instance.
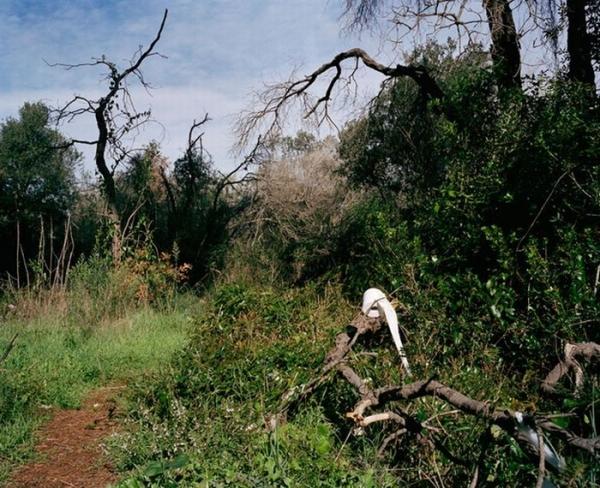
(391, 149)
(199, 213)
(183, 213)
(143, 199)
(36, 179)
(487, 224)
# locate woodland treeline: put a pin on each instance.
(456, 90)
(468, 189)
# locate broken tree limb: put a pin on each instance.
(343, 345)
(382, 405)
(274, 102)
(506, 419)
(572, 354)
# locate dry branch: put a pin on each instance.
(343, 345)
(382, 404)
(276, 98)
(573, 352)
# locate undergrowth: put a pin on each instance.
(483, 230)
(205, 421)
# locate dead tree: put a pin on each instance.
(505, 49)
(191, 172)
(579, 18)
(116, 117)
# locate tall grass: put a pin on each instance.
(98, 330)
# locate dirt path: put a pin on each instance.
(69, 451)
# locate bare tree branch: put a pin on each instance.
(253, 157)
(276, 98)
(572, 353)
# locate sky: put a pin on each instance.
(217, 53)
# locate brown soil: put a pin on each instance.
(69, 452)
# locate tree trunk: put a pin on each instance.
(506, 54)
(108, 181)
(578, 44)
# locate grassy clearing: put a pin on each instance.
(59, 357)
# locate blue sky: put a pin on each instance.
(218, 53)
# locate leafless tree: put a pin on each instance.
(116, 116)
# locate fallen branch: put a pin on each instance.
(344, 342)
(506, 419)
(573, 352)
(376, 405)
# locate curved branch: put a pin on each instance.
(277, 97)
(573, 352)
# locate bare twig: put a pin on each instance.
(542, 463)
(253, 157)
(391, 438)
(486, 439)
(8, 348)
